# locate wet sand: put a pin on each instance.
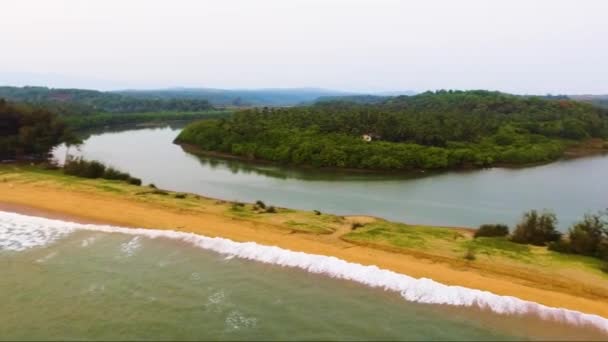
(86, 207)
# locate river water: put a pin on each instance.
(498, 195)
(61, 281)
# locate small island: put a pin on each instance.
(430, 131)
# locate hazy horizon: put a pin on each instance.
(521, 47)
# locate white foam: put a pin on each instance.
(130, 248)
(416, 290)
(17, 233)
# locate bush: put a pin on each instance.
(151, 185)
(112, 173)
(82, 168)
(492, 230)
(271, 210)
(356, 225)
(560, 246)
(586, 236)
(134, 181)
(180, 196)
(537, 229)
(260, 204)
(94, 169)
(470, 254)
(316, 212)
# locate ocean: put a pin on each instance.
(62, 280)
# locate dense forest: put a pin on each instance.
(80, 122)
(238, 97)
(87, 102)
(597, 100)
(27, 132)
(433, 130)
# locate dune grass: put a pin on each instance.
(454, 246)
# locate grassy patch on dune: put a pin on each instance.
(402, 235)
(437, 243)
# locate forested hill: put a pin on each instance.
(598, 100)
(239, 97)
(84, 102)
(433, 130)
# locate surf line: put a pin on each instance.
(419, 290)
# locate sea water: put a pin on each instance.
(61, 280)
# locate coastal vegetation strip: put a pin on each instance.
(79, 122)
(30, 132)
(501, 266)
(433, 130)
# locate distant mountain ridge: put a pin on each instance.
(240, 97)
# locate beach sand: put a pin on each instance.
(49, 200)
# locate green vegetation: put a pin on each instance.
(586, 237)
(493, 256)
(94, 169)
(107, 119)
(27, 132)
(433, 130)
(88, 102)
(492, 230)
(537, 229)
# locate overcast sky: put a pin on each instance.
(527, 46)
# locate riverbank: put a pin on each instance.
(530, 273)
(586, 148)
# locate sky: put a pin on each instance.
(517, 46)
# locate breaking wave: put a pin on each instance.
(18, 232)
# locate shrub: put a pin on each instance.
(112, 173)
(237, 205)
(470, 254)
(317, 212)
(260, 204)
(356, 225)
(560, 246)
(271, 210)
(180, 196)
(94, 169)
(82, 168)
(492, 230)
(151, 185)
(536, 229)
(587, 236)
(134, 181)
(604, 267)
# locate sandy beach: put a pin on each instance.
(49, 199)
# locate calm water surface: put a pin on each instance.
(570, 188)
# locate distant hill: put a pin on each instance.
(598, 100)
(83, 102)
(432, 130)
(239, 97)
(359, 99)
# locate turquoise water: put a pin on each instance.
(570, 188)
(84, 284)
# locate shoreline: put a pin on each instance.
(584, 149)
(85, 203)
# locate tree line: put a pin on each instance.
(588, 236)
(30, 132)
(433, 130)
(87, 102)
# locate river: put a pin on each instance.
(570, 188)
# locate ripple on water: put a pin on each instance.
(238, 321)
